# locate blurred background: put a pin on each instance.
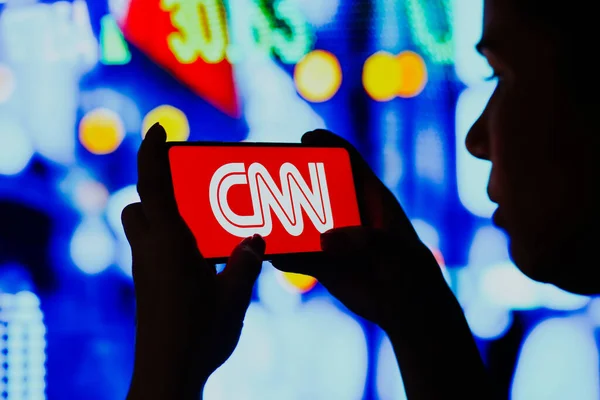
(80, 81)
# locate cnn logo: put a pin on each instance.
(287, 204)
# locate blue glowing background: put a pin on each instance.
(74, 95)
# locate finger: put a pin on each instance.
(136, 228)
(311, 266)
(244, 264)
(345, 254)
(375, 199)
(154, 180)
(240, 274)
(134, 223)
(358, 242)
(358, 246)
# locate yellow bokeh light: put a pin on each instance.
(297, 283)
(413, 74)
(318, 76)
(7, 83)
(172, 119)
(101, 131)
(381, 76)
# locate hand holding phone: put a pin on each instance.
(383, 272)
(288, 193)
(188, 317)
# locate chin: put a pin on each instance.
(527, 265)
(569, 269)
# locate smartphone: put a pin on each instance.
(288, 193)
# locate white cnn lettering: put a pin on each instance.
(287, 204)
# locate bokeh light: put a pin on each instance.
(23, 346)
(319, 12)
(16, 148)
(116, 203)
(430, 158)
(488, 321)
(113, 100)
(101, 131)
(91, 196)
(427, 232)
(389, 383)
(413, 74)
(506, 286)
(593, 311)
(558, 360)
(318, 76)
(296, 283)
(273, 295)
(92, 246)
(386, 76)
(472, 174)
(7, 83)
(172, 119)
(381, 77)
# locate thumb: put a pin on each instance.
(243, 267)
(378, 205)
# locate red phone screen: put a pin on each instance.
(289, 195)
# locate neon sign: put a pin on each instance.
(201, 31)
(190, 39)
(179, 41)
(439, 47)
(289, 47)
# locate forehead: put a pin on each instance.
(508, 33)
(501, 21)
(498, 10)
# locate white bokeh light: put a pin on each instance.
(471, 67)
(16, 148)
(92, 247)
(318, 12)
(558, 360)
(293, 350)
(472, 173)
(116, 203)
(7, 83)
(427, 233)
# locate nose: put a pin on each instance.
(477, 141)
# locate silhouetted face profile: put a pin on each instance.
(540, 131)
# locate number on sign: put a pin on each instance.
(201, 30)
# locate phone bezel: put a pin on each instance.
(300, 256)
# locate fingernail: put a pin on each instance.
(157, 132)
(257, 244)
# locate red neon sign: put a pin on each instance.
(195, 53)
